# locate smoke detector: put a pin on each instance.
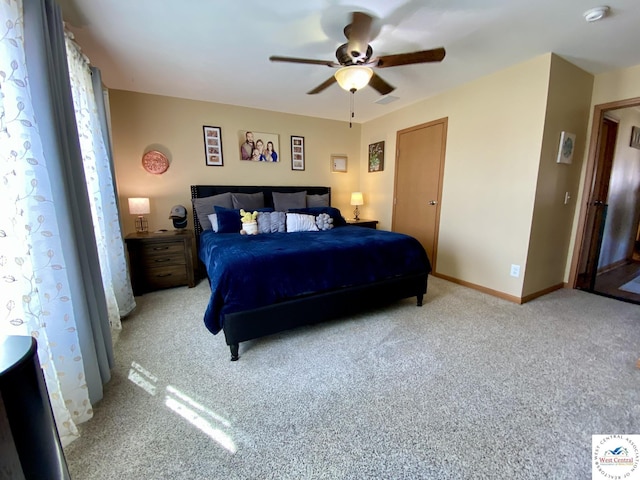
(595, 14)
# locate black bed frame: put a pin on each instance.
(259, 322)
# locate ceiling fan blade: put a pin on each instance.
(380, 85)
(328, 63)
(358, 34)
(423, 56)
(327, 83)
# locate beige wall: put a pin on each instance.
(607, 87)
(502, 190)
(567, 108)
(143, 122)
(493, 150)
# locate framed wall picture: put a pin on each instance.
(339, 163)
(376, 157)
(213, 146)
(259, 146)
(635, 137)
(567, 146)
(297, 153)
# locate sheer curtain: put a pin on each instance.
(102, 195)
(53, 286)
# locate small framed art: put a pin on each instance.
(376, 157)
(567, 146)
(339, 163)
(213, 146)
(297, 153)
(635, 137)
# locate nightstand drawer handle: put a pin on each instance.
(164, 275)
(161, 248)
(160, 260)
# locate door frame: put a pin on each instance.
(599, 112)
(596, 206)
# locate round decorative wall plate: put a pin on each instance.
(155, 162)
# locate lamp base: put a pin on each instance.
(142, 226)
(356, 214)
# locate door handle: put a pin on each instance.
(433, 202)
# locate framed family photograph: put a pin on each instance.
(213, 146)
(297, 153)
(339, 163)
(259, 146)
(376, 157)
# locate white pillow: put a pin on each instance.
(213, 218)
(299, 222)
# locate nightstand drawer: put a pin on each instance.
(164, 277)
(161, 255)
(163, 249)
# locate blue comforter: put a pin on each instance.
(247, 272)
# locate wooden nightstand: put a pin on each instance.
(161, 260)
(362, 222)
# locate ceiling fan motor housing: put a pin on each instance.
(345, 58)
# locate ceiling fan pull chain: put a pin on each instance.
(351, 101)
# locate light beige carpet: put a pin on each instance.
(466, 387)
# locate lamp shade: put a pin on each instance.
(139, 206)
(356, 198)
(353, 77)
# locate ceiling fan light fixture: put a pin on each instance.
(353, 77)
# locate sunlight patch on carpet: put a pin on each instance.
(193, 412)
(143, 378)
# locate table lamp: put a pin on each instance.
(356, 199)
(140, 207)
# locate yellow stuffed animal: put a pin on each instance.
(248, 217)
(249, 224)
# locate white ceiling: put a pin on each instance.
(218, 50)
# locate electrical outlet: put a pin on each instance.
(515, 271)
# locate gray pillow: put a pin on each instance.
(248, 201)
(271, 222)
(284, 201)
(204, 207)
(318, 200)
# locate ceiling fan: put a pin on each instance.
(356, 60)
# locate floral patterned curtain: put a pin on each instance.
(40, 290)
(35, 294)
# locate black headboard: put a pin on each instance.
(201, 191)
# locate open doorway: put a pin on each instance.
(606, 257)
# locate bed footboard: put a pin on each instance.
(259, 322)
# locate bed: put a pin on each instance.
(267, 283)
